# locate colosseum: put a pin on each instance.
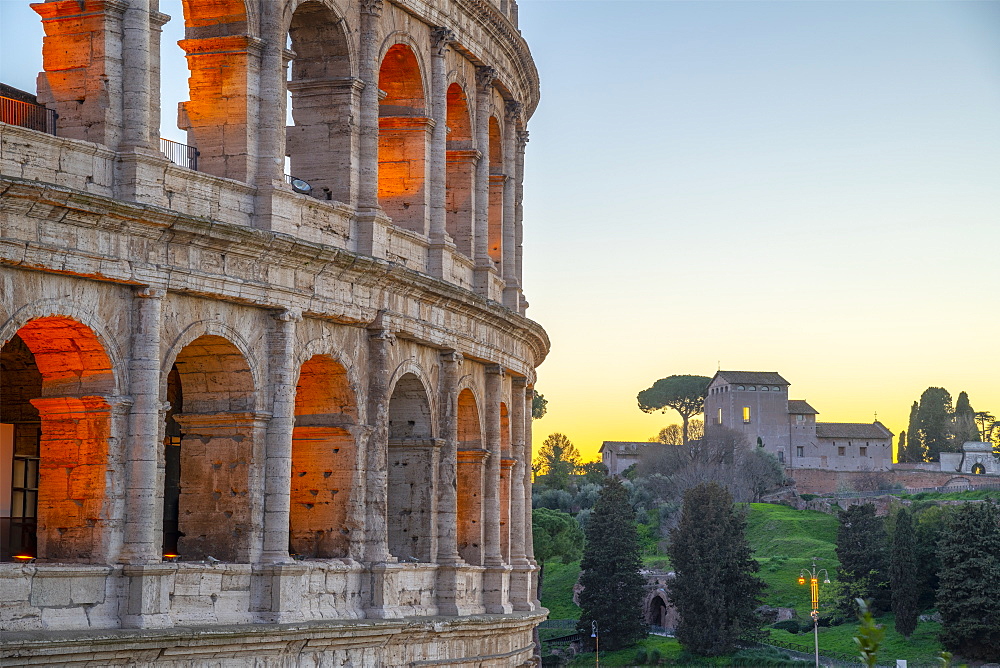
(266, 396)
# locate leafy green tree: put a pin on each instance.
(928, 524)
(673, 434)
(964, 427)
(904, 578)
(555, 535)
(594, 472)
(715, 589)
(612, 586)
(557, 460)
(870, 634)
(968, 597)
(861, 550)
(684, 394)
(914, 451)
(539, 405)
(934, 423)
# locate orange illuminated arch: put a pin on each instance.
(323, 460)
(497, 180)
(471, 460)
(461, 169)
(403, 137)
(59, 422)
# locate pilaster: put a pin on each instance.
(440, 246)
(485, 76)
(496, 579)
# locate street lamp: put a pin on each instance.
(597, 640)
(813, 576)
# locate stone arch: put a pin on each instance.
(324, 460)
(55, 441)
(461, 171)
(223, 48)
(355, 385)
(497, 181)
(657, 609)
(404, 134)
(59, 308)
(412, 460)
(471, 466)
(210, 436)
(958, 481)
(978, 468)
(323, 97)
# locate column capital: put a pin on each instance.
(485, 76)
(147, 292)
(513, 110)
(452, 357)
(496, 369)
(288, 315)
(371, 7)
(441, 38)
(519, 382)
(522, 138)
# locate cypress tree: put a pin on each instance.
(914, 446)
(964, 428)
(903, 575)
(612, 586)
(901, 448)
(969, 591)
(864, 559)
(714, 590)
(934, 418)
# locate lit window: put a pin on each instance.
(800, 451)
(841, 451)
(719, 418)
(863, 451)
(746, 414)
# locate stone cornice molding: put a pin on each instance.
(324, 85)
(252, 250)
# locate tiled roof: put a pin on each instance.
(852, 430)
(754, 377)
(800, 407)
(625, 447)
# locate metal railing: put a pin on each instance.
(180, 154)
(27, 115)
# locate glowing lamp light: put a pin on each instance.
(24, 558)
(170, 557)
(802, 580)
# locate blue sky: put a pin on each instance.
(806, 187)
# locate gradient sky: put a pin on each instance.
(805, 187)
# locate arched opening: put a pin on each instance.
(461, 172)
(209, 448)
(471, 460)
(220, 114)
(978, 469)
(404, 132)
(497, 181)
(324, 460)
(656, 611)
(55, 422)
(412, 462)
(322, 96)
(506, 470)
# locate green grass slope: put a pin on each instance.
(557, 589)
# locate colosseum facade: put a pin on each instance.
(266, 397)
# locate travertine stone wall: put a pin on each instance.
(344, 374)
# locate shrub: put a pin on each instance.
(790, 625)
(808, 497)
(640, 657)
(654, 657)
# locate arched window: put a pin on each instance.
(411, 498)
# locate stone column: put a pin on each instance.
(509, 264)
(143, 497)
(529, 545)
(496, 580)
(520, 585)
(440, 246)
(372, 236)
(485, 76)
(522, 141)
(447, 511)
(136, 79)
(376, 478)
(82, 59)
(278, 461)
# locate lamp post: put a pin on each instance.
(597, 641)
(813, 576)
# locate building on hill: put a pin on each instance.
(756, 404)
(619, 455)
(249, 418)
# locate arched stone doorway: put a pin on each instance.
(324, 460)
(55, 382)
(209, 448)
(657, 609)
(411, 465)
(471, 460)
